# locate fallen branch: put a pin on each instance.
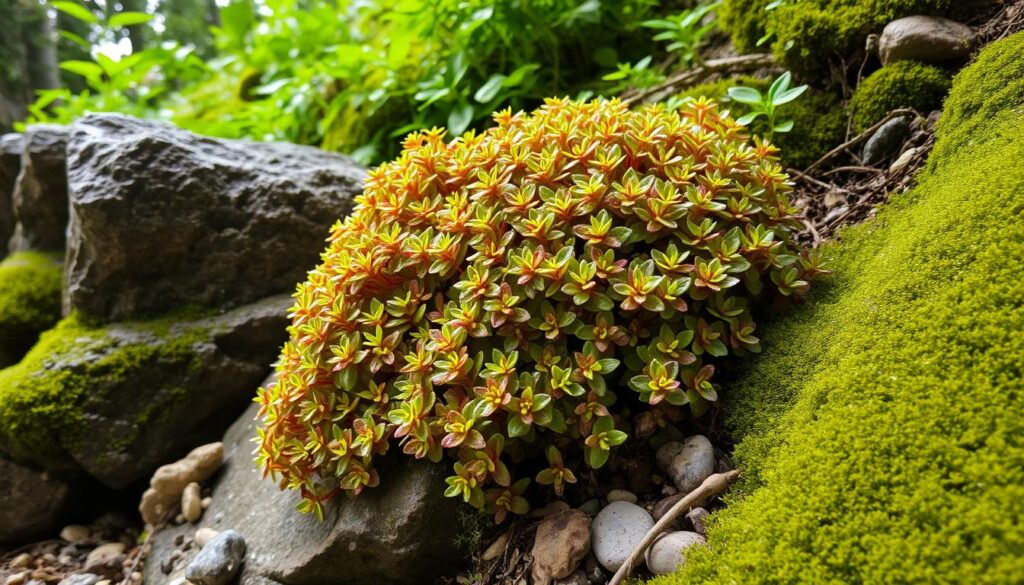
(712, 486)
(700, 73)
(859, 138)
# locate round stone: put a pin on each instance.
(617, 530)
(668, 553)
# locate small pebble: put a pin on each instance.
(192, 502)
(577, 578)
(75, 533)
(204, 535)
(17, 578)
(497, 547)
(591, 507)
(178, 581)
(668, 553)
(903, 160)
(179, 519)
(105, 553)
(136, 577)
(218, 562)
(103, 582)
(80, 579)
(697, 517)
(621, 496)
(21, 561)
(206, 502)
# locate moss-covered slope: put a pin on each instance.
(882, 431)
(29, 301)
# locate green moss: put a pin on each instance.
(882, 430)
(903, 84)
(43, 397)
(989, 96)
(819, 120)
(806, 34)
(29, 301)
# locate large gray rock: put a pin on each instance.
(31, 503)
(925, 38)
(41, 193)
(400, 532)
(117, 402)
(161, 217)
(10, 166)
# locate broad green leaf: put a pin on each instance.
(129, 19)
(459, 118)
(746, 120)
(76, 10)
(74, 39)
(784, 126)
(789, 95)
(489, 89)
(745, 95)
(86, 69)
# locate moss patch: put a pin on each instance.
(903, 84)
(819, 120)
(805, 34)
(43, 397)
(882, 431)
(29, 301)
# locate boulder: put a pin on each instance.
(10, 166)
(119, 400)
(162, 218)
(400, 532)
(31, 503)
(40, 199)
(932, 39)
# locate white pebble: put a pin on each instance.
(617, 530)
(75, 533)
(668, 553)
(621, 496)
(191, 502)
(204, 535)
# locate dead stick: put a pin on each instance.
(712, 486)
(689, 76)
(859, 138)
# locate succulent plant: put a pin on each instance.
(508, 295)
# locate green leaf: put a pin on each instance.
(779, 86)
(746, 120)
(789, 95)
(459, 118)
(516, 427)
(74, 39)
(784, 126)
(86, 69)
(76, 10)
(596, 458)
(489, 89)
(123, 19)
(237, 20)
(745, 95)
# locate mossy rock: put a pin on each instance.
(29, 301)
(806, 34)
(903, 84)
(819, 119)
(880, 431)
(116, 401)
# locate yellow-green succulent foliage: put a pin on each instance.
(805, 34)
(882, 431)
(29, 301)
(903, 84)
(819, 121)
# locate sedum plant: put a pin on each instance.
(506, 298)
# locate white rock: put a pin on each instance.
(206, 502)
(688, 463)
(204, 535)
(903, 160)
(16, 578)
(75, 533)
(104, 553)
(617, 530)
(621, 496)
(192, 502)
(668, 553)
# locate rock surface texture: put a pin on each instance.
(30, 502)
(561, 542)
(10, 166)
(147, 393)
(399, 532)
(925, 38)
(161, 217)
(40, 199)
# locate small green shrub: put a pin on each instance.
(903, 84)
(513, 294)
(819, 123)
(29, 301)
(880, 436)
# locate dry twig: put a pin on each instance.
(697, 74)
